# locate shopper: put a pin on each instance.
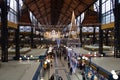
(71, 70)
(60, 78)
(83, 75)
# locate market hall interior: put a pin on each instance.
(59, 39)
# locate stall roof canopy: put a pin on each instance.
(91, 19)
(57, 12)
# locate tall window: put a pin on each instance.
(107, 11)
(13, 5)
(12, 13)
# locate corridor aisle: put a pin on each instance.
(60, 68)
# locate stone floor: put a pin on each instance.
(108, 63)
(18, 70)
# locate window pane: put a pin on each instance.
(112, 17)
(103, 8)
(103, 20)
(108, 5)
(13, 4)
(108, 19)
(97, 29)
(103, 1)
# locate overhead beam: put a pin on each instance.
(39, 10)
(66, 11)
(45, 11)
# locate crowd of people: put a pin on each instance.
(70, 56)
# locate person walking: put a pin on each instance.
(71, 70)
(83, 75)
(68, 64)
(60, 78)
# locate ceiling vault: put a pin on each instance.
(57, 12)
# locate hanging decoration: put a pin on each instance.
(73, 27)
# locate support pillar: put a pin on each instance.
(94, 38)
(4, 31)
(40, 36)
(117, 30)
(17, 43)
(106, 37)
(17, 33)
(100, 30)
(80, 34)
(32, 44)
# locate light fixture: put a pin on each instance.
(25, 56)
(95, 52)
(113, 52)
(86, 58)
(38, 60)
(102, 55)
(115, 76)
(113, 72)
(28, 58)
(78, 58)
(69, 49)
(20, 58)
(48, 61)
(31, 56)
(45, 62)
(41, 79)
(95, 55)
(89, 53)
(83, 57)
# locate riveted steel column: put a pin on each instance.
(100, 30)
(80, 34)
(32, 44)
(117, 30)
(17, 33)
(4, 31)
(106, 37)
(94, 38)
